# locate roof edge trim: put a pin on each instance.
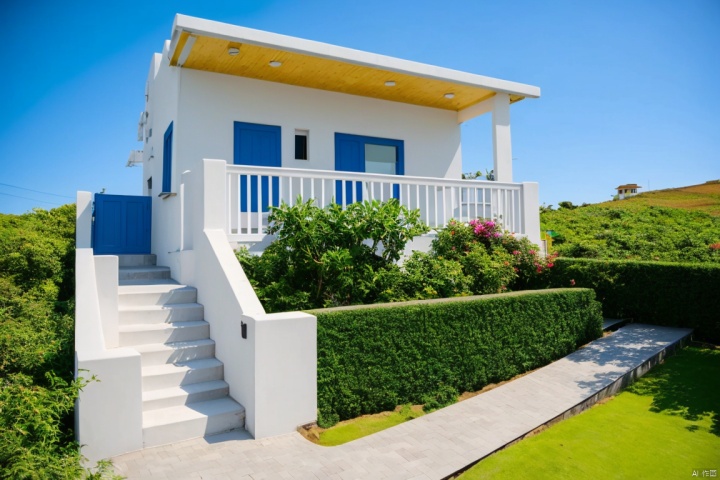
(199, 26)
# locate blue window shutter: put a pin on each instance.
(167, 160)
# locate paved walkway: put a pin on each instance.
(430, 447)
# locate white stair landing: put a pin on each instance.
(184, 393)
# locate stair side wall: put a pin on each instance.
(108, 411)
(279, 351)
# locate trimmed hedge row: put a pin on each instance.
(372, 358)
(658, 293)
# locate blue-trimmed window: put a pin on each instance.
(167, 160)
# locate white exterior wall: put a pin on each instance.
(205, 105)
(210, 103)
(162, 107)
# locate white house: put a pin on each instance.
(627, 190)
(237, 120)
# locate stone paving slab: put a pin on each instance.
(431, 447)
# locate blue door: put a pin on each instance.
(257, 145)
(122, 224)
(357, 153)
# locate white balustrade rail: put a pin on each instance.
(438, 199)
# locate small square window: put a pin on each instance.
(301, 144)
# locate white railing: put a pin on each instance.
(438, 199)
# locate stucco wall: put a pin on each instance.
(162, 107)
(210, 103)
(204, 107)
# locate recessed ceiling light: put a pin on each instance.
(232, 51)
(275, 64)
(390, 83)
(449, 95)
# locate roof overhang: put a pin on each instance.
(204, 45)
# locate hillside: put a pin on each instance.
(702, 198)
(677, 225)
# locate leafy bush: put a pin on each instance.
(671, 294)
(333, 257)
(494, 259)
(444, 396)
(628, 231)
(329, 257)
(37, 390)
(374, 357)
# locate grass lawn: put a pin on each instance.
(356, 428)
(664, 426)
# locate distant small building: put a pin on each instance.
(627, 190)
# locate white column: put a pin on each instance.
(531, 211)
(502, 147)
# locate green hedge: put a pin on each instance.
(671, 294)
(374, 357)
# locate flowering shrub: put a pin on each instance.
(495, 259)
(331, 257)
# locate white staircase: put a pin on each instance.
(184, 394)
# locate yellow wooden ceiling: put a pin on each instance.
(211, 54)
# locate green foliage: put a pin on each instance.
(328, 257)
(434, 277)
(444, 395)
(658, 293)
(494, 260)
(333, 257)
(630, 231)
(37, 390)
(34, 442)
(372, 358)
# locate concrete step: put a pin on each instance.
(148, 281)
(183, 395)
(158, 377)
(149, 272)
(170, 425)
(143, 334)
(154, 314)
(137, 260)
(178, 352)
(156, 294)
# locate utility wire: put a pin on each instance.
(36, 191)
(32, 199)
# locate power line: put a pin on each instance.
(36, 191)
(32, 199)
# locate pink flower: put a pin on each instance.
(531, 252)
(550, 265)
(572, 283)
(516, 252)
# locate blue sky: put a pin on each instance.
(629, 89)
